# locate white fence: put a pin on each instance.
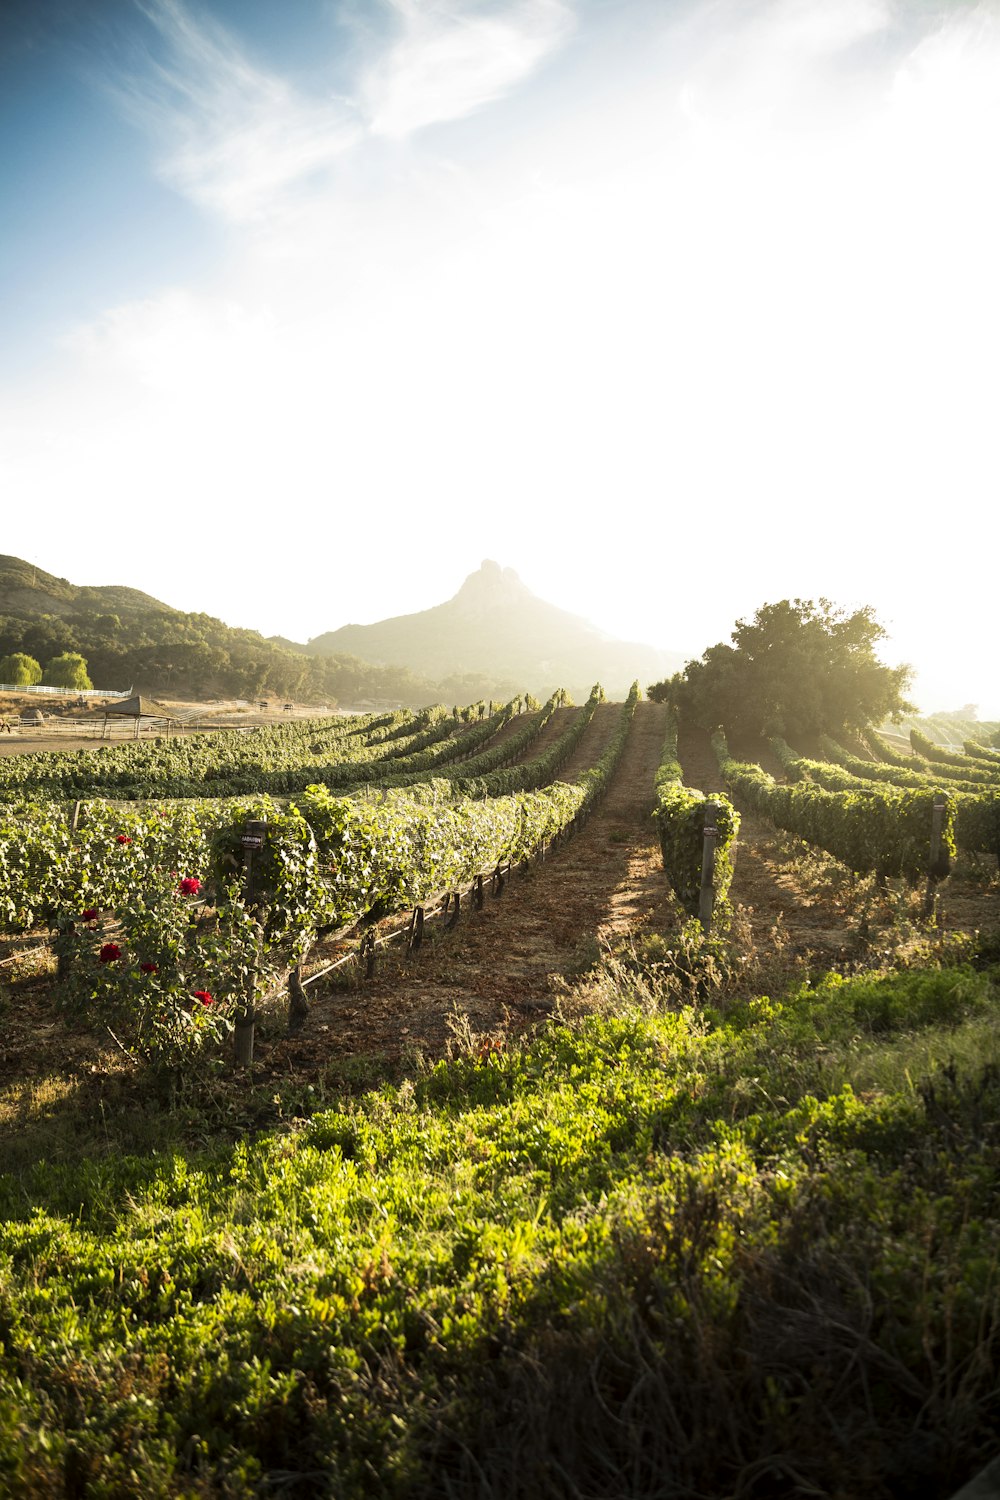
(56, 692)
(96, 727)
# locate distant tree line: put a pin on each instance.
(67, 670)
(182, 655)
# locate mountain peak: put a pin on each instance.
(496, 627)
(491, 586)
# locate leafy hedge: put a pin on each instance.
(883, 751)
(977, 808)
(952, 762)
(983, 753)
(679, 812)
(481, 772)
(914, 772)
(197, 764)
(871, 829)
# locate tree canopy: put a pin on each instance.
(20, 670)
(67, 671)
(797, 668)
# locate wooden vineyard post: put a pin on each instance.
(367, 949)
(298, 1005)
(416, 930)
(937, 827)
(252, 838)
(706, 900)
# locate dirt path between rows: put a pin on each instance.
(502, 968)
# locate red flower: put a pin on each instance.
(203, 996)
(109, 953)
(190, 885)
(123, 838)
(148, 969)
(89, 914)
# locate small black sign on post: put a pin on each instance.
(706, 899)
(252, 838)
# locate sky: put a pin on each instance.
(676, 307)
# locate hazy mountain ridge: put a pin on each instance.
(494, 638)
(494, 624)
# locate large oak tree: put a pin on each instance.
(797, 668)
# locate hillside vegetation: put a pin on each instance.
(488, 642)
(130, 639)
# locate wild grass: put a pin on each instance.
(737, 1232)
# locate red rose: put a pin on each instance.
(148, 969)
(89, 914)
(109, 953)
(123, 838)
(190, 885)
(203, 996)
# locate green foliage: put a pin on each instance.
(977, 805)
(679, 812)
(983, 753)
(20, 670)
(950, 762)
(881, 830)
(796, 669)
(460, 1284)
(278, 758)
(663, 692)
(882, 750)
(68, 670)
(503, 772)
(152, 977)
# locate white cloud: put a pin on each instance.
(235, 139)
(242, 142)
(452, 59)
(783, 60)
